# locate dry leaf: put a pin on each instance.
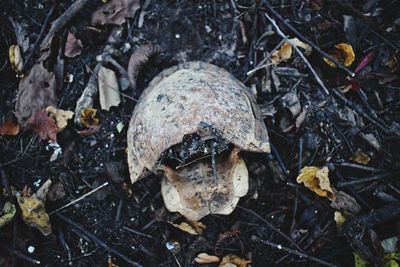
(361, 157)
(284, 53)
(306, 47)
(15, 58)
(36, 92)
(115, 12)
(44, 125)
(193, 228)
(43, 190)
(108, 89)
(194, 193)
(339, 218)
(7, 214)
(233, 260)
(9, 127)
(345, 202)
(204, 258)
(61, 116)
(316, 180)
(34, 213)
(89, 117)
(73, 46)
(342, 53)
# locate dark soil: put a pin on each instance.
(235, 35)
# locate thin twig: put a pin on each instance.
(20, 254)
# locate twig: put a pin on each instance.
(97, 240)
(305, 39)
(298, 253)
(137, 232)
(360, 167)
(367, 179)
(20, 254)
(79, 198)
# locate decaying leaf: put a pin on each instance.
(115, 12)
(44, 125)
(345, 202)
(108, 89)
(361, 157)
(204, 258)
(282, 54)
(56, 192)
(233, 261)
(36, 92)
(9, 127)
(43, 190)
(61, 116)
(89, 117)
(339, 218)
(73, 46)
(306, 47)
(15, 58)
(342, 53)
(193, 228)
(34, 213)
(194, 192)
(317, 180)
(7, 214)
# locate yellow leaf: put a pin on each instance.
(15, 58)
(361, 157)
(307, 48)
(61, 116)
(342, 53)
(234, 260)
(284, 53)
(317, 180)
(193, 228)
(89, 117)
(7, 214)
(204, 258)
(34, 213)
(339, 218)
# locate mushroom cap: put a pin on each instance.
(186, 99)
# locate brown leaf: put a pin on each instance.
(115, 12)
(73, 46)
(44, 125)
(316, 180)
(233, 260)
(36, 92)
(193, 228)
(361, 157)
(204, 258)
(342, 53)
(89, 117)
(282, 54)
(9, 127)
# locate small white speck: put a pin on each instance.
(101, 164)
(315, 211)
(177, 36)
(106, 145)
(31, 249)
(208, 29)
(279, 247)
(272, 216)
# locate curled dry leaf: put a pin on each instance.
(306, 47)
(73, 46)
(193, 228)
(61, 116)
(34, 213)
(44, 125)
(317, 180)
(194, 192)
(36, 91)
(7, 214)
(283, 54)
(89, 117)
(115, 12)
(9, 127)
(138, 59)
(339, 218)
(43, 190)
(108, 89)
(234, 261)
(15, 58)
(342, 53)
(204, 258)
(361, 157)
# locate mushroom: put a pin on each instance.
(190, 125)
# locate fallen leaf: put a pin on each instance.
(345, 202)
(61, 116)
(7, 214)
(306, 47)
(21, 35)
(282, 54)
(361, 157)
(34, 213)
(89, 117)
(204, 258)
(9, 127)
(233, 261)
(41, 193)
(193, 227)
(359, 261)
(342, 53)
(317, 180)
(108, 88)
(339, 218)
(57, 150)
(36, 92)
(56, 192)
(184, 194)
(73, 46)
(44, 125)
(115, 12)
(16, 58)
